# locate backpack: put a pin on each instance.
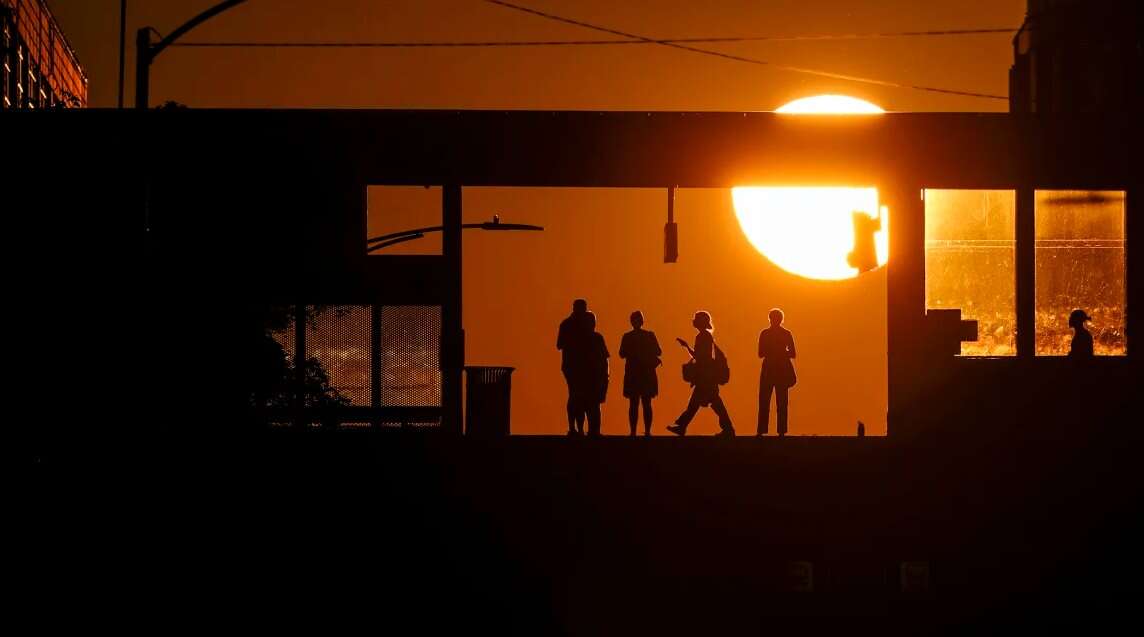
(721, 370)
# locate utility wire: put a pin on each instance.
(739, 58)
(516, 43)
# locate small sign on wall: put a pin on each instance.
(799, 577)
(914, 577)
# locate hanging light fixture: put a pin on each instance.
(670, 230)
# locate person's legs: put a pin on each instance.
(594, 418)
(781, 404)
(764, 407)
(646, 416)
(724, 418)
(579, 407)
(680, 426)
(571, 405)
(633, 412)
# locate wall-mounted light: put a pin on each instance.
(864, 256)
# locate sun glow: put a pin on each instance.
(811, 231)
(830, 105)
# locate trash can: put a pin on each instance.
(487, 401)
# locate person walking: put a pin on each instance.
(708, 364)
(640, 351)
(776, 348)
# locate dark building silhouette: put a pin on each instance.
(40, 69)
(1002, 495)
(1078, 56)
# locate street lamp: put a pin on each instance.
(146, 52)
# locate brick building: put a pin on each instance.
(40, 69)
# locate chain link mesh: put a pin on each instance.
(411, 356)
(339, 349)
(338, 339)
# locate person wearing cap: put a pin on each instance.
(1082, 339)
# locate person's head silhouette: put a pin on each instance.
(702, 321)
(590, 321)
(579, 306)
(637, 319)
(776, 316)
(1077, 319)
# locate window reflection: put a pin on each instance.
(970, 263)
(1080, 264)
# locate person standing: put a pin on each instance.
(594, 383)
(776, 348)
(640, 351)
(571, 340)
(1082, 339)
(704, 380)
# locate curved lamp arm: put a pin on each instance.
(384, 241)
(146, 52)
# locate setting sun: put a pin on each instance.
(830, 105)
(811, 231)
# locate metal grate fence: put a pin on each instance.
(374, 365)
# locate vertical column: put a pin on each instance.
(142, 68)
(905, 298)
(1026, 273)
(1133, 266)
(299, 364)
(375, 362)
(452, 334)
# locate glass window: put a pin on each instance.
(970, 263)
(1080, 265)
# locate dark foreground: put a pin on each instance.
(325, 530)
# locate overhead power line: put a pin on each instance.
(599, 42)
(740, 58)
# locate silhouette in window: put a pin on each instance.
(640, 351)
(1082, 338)
(776, 348)
(706, 371)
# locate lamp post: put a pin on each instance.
(146, 52)
(122, 47)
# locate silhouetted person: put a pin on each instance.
(704, 382)
(1082, 338)
(571, 340)
(594, 382)
(776, 348)
(640, 351)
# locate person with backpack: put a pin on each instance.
(706, 371)
(776, 348)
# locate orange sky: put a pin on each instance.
(602, 245)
